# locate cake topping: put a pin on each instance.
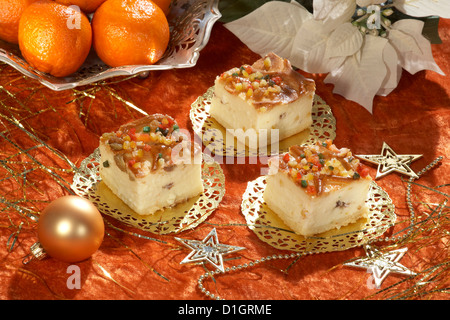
(322, 167)
(268, 82)
(144, 145)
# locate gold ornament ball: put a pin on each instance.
(70, 229)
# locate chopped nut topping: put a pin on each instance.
(315, 167)
(146, 144)
(266, 83)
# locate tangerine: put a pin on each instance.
(130, 32)
(87, 6)
(10, 13)
(54, 38)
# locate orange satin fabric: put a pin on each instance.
(413, 119)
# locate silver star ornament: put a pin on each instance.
(381, 264)
(389, 161)
(209, 250)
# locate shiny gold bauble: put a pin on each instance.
(70, 229)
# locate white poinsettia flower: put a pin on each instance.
(360, 49)
(414, 8)
(377, 71)
(424, 8)
(271, 27)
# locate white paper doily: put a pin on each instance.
(272, 230)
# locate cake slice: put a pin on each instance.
(266, 95)
(317, 188)
(150, 165)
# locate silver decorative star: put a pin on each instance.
(389, 161)
(381, 264)
(209, 249)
